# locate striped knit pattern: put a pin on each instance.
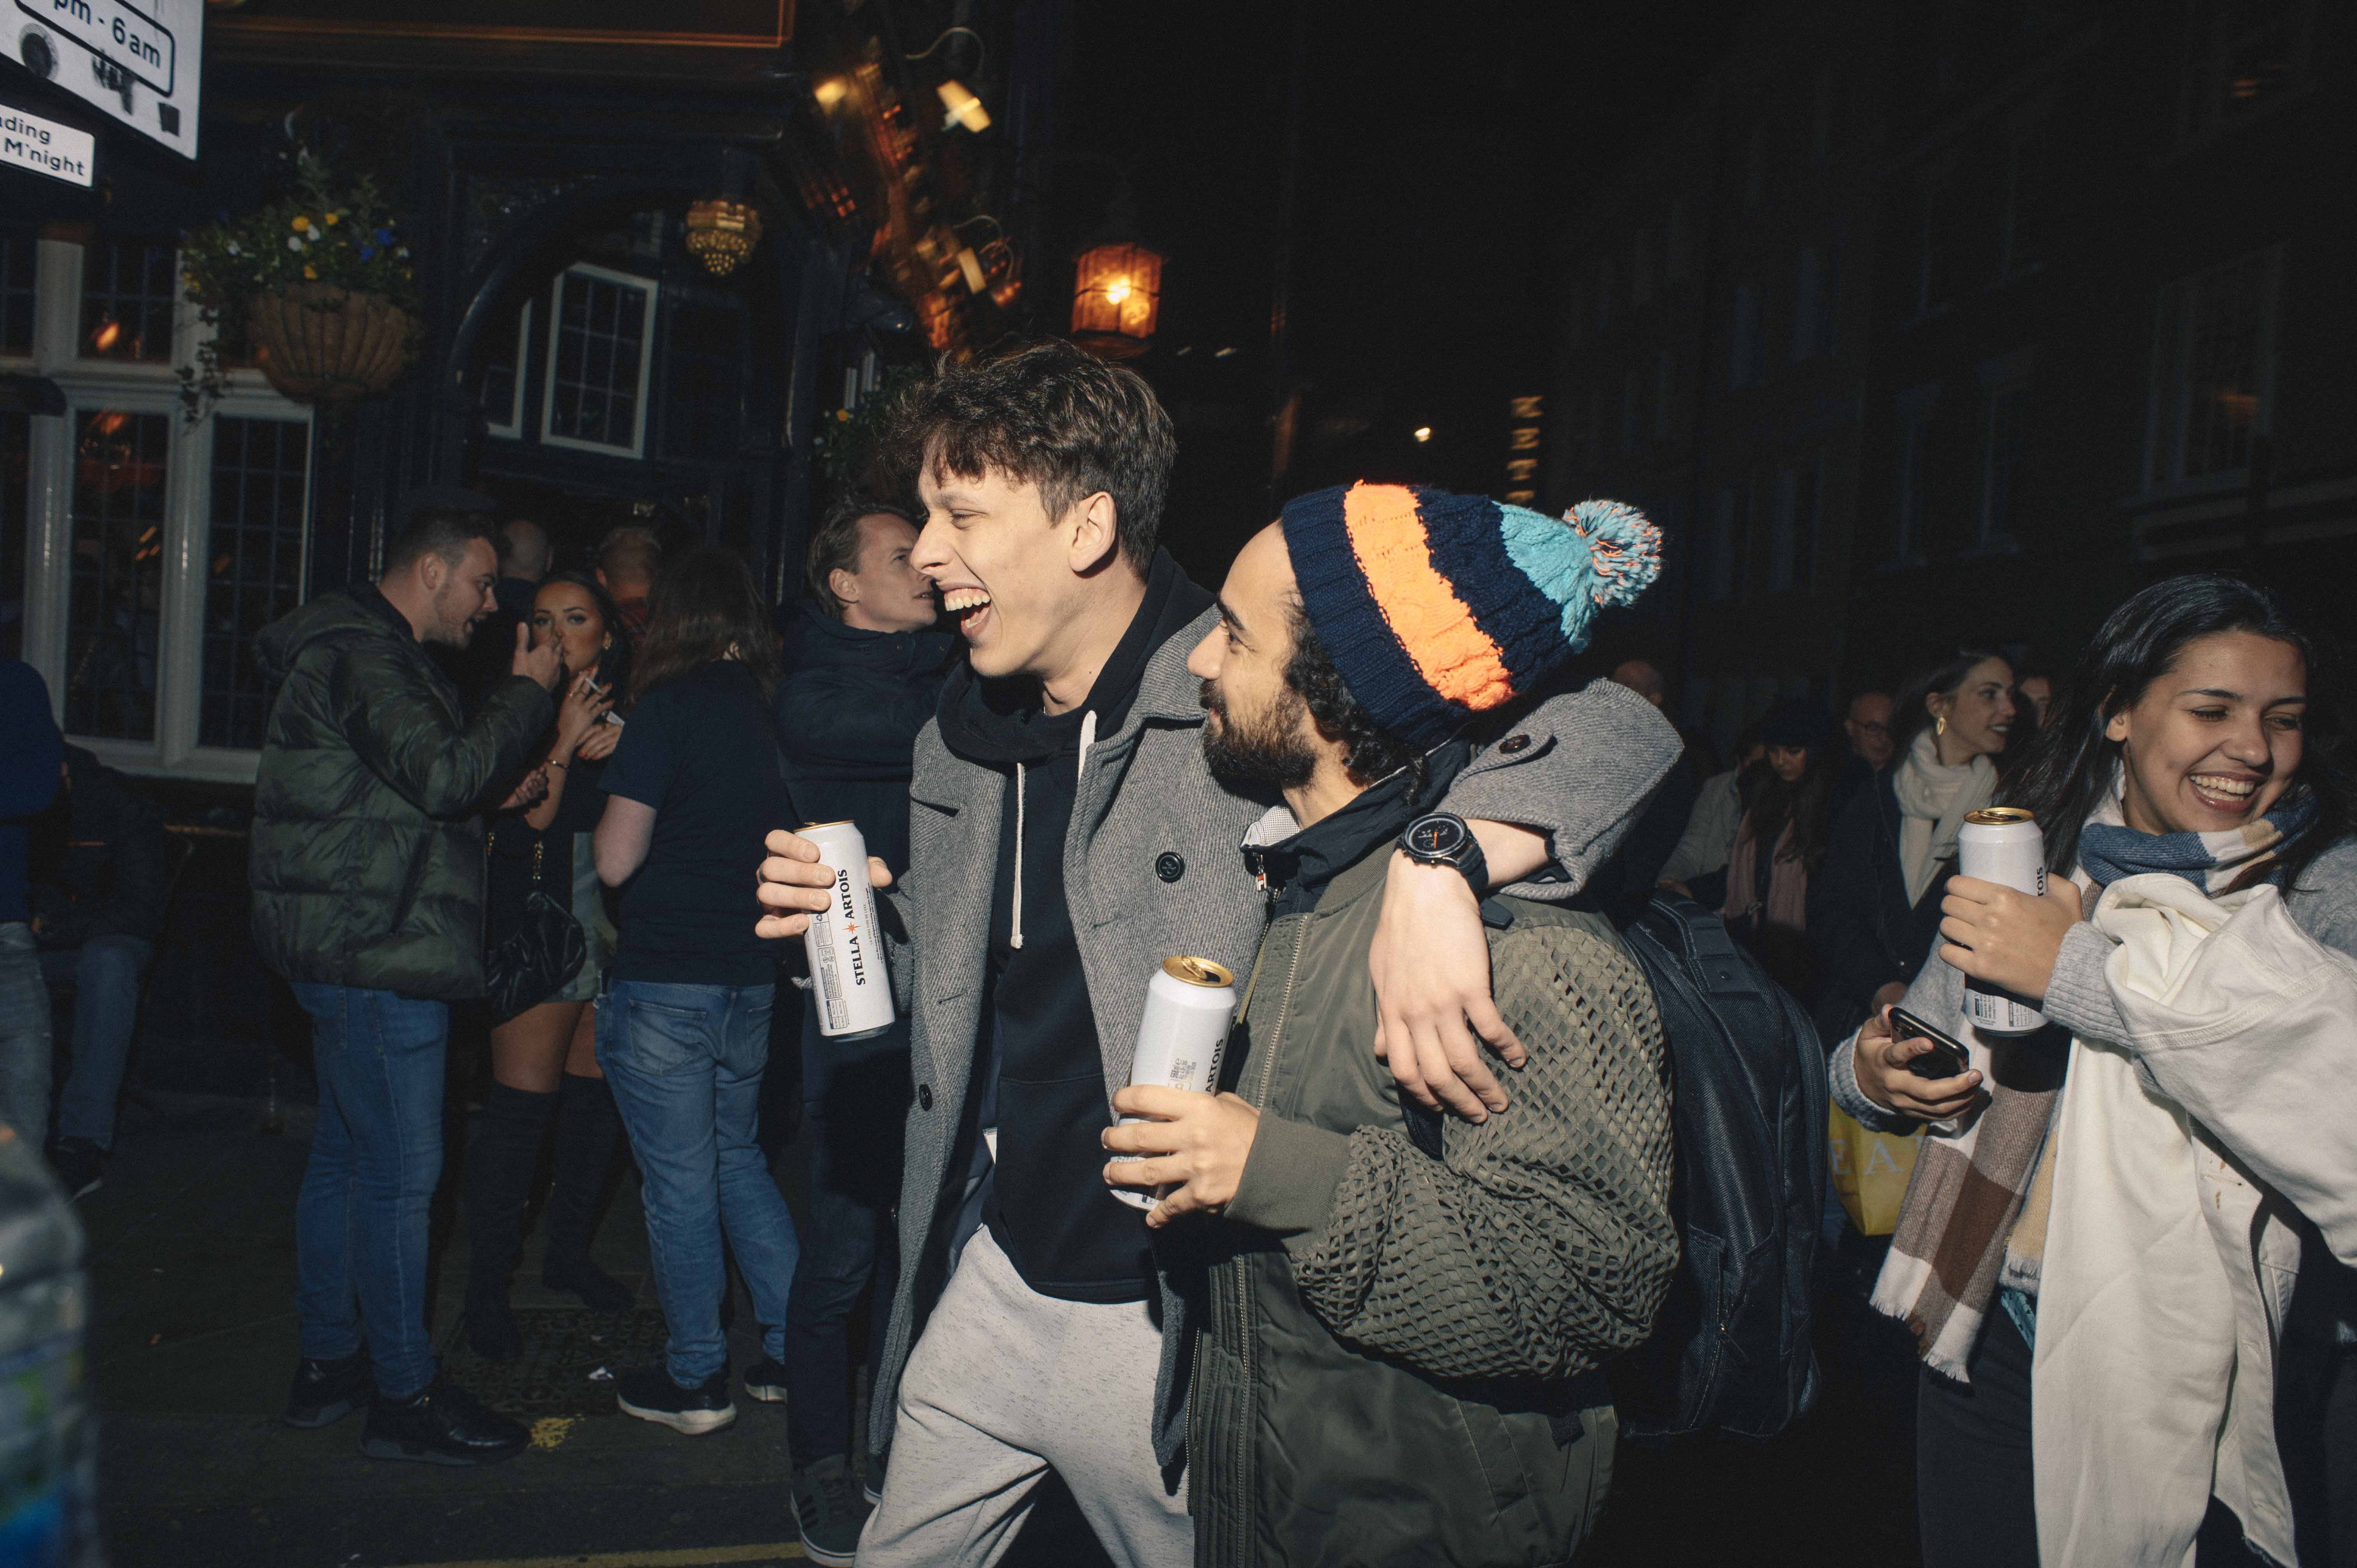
(1437, 607)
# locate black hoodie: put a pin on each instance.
(1048, 1210)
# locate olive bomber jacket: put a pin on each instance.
(1394, 1336)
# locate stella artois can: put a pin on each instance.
(2002, 844)
(844, 946)
(1189, 1004)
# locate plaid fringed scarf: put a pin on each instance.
(1957, 1239)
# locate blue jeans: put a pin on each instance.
(24, 1036)
(855, 1106)
(684, 1062)
(104, 972)
(361, 1222)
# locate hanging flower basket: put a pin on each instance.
(319, 283)
(323, 343)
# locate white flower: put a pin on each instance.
(294, 243)
(235, 249)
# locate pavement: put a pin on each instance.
(192, 1263)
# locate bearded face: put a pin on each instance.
(1264, 750)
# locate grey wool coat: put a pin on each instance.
(1578, 768)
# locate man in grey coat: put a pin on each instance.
(1066, 837)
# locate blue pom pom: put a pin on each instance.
(1600, 553)
(1625, 548)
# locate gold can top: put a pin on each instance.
(1198, 972)
(2000, 816)
(838, 823)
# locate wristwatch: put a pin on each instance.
(1437, 838)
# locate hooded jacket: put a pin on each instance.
(851, 705)
(368, 836)
(1149, 870)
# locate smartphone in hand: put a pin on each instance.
(1946, 1058)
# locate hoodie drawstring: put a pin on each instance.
(1088, 739)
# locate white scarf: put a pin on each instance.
(1933, 799)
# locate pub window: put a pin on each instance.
(254, 571)
(501, 391)
(17, 256)
(128, 293)
(2242, 55)
(2212, 369)
(1914, 471)
(135, 575)
(2001, 446)
(1792, 548)
(601, 327)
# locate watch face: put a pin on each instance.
(1437, 836)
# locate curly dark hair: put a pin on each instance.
(1369, 751)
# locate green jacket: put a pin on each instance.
(368, 833)
(1401, 1358)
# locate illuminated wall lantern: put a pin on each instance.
(963, 108)
(1116, 293)
(1525, 420)
(721, 233)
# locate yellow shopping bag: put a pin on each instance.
(1870, 1171)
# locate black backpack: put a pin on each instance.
(1730, 1353)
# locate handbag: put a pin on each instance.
(1870, 1171)
(539, 955)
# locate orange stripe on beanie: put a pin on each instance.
(1457, 660)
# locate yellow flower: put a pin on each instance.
(309, 271)
(300, 223)
(333, 219)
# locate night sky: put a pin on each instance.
(1441, 148)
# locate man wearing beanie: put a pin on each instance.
(1066, 837)
(1386, 1284)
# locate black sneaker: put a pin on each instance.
(871, 1485)
(829, 1511)
(765, 1381)
(81, 1166)
(326, 1392)
(649, 1394)
(440, 1425)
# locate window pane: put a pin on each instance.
(254, 570)
(17, 253)
(600, 332)
(1804, 527)
(2004, 439)
(16, 436)
(126, 300)
(118, 556)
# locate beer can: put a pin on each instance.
(1189, 1004)
(2002, 845)
(848, 980)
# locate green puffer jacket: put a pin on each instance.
(368, 834)
(1401, 1352)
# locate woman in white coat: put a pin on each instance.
(2104, 1228)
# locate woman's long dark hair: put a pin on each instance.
(1806, 803)
(1910, 717)
(613, 671)
(704, 606)
(2071, 766)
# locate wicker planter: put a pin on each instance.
(321, 343)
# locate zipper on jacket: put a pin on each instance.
(1239, 1458)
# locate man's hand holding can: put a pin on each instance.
(795, 884)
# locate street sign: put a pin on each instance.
(139, 61)
(29, 142)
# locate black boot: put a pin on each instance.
(501, 1155)
(589, 1130)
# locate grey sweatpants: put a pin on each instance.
(1003, 1384)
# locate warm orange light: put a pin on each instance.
(1116, 295)
(109, 333)
(1423, 432)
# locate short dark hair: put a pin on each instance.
(444, 531)
(703, 604)
(1052, 415)
(1369, 752)
(835, 546)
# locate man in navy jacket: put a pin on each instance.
(865, 670)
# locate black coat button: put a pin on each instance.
(1169, 867)
(1513, 744)
(924, 1097)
